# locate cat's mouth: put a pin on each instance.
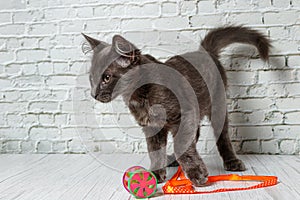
(103, 98)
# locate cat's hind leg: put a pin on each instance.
(231, 162)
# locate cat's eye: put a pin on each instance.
(106, 78)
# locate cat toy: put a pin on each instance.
(142, 183)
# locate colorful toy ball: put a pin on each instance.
(140, 182)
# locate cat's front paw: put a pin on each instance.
(197, 176)
(160, 175)
(234, 165)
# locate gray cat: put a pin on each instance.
(173, 96)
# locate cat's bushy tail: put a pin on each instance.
(219, 38)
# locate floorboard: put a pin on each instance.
(99, 177)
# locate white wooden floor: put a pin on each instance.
(77, 177)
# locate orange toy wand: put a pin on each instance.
(179, 184)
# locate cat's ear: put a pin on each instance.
(93, 44)
(127, 51)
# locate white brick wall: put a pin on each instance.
(44, 91)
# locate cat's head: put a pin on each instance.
(109, 63)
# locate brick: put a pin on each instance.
(61, 13)
(15, 120)
(288, 146)
(13, 133)
(44, 133)
(45, 68)
(271, 90)
(76, 147)
(6, 57)
(79, 120)
(78, 68)
(42, 29)
(44, 42)
(171, 23)
(10, 96)
(108, 119)
(28, 55)
(255, 117)
(254, 104)
(281, 4)
(13, 69)
(28, 146)
(279, 32)
(292, 118)
(250, 147)
(145, 10)
(238, 118)
(64, 53)
(169, 8)
(295, 32)
(102, 10)
(206, 7)
(2, 120)
(28, 16)
(76, 2)
(13, 146)
(12, 5)
(296, 3)
(109, 134)
(187, 8)
(246, 18)
(288, 103)
(103, 25)
(286, 131)
(136, 24)
(263, 4)
(298, 75)
(241, 78)
(124, 147)
(28, 81)
(254, 132)
(46, 119)
(5, 83)
(69, 133)
(65, 81)
(134, 133)
(293, 89)
(62, 40)
(5, 18)
(237, 91)
(207, 20)
(60, 119)
(43, 106)
(125, 120)
(30, 119)
(72, 26)
(270, 147)
(293, 61)
(285, 47)
(282, 17)
(59, 147)
(275, 76)
(13, 107)
(277, 62)
(44, 147)
(29, 69)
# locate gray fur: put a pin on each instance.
(160, 110)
